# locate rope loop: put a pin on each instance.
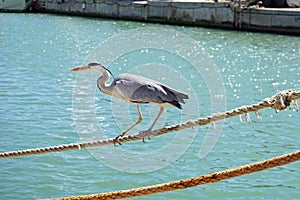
(283, 99)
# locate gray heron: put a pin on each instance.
(135, 89)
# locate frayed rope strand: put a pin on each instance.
(280, 101)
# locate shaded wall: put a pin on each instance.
(211, 14)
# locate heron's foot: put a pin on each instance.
(144, 134)
(117, 141)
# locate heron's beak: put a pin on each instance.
(79, 69)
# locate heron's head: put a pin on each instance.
(92, 67)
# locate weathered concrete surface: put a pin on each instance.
(192, 12)
(284, 20)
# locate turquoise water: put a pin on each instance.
(36, 110)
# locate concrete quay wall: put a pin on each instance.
(284, 20)
(192, 12)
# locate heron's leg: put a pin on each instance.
(154, 122)
(136, 123)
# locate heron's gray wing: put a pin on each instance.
(155, 93)
(148, 93)
(139, 89)
(123, 89)
(136, 91)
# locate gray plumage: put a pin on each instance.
(136, 89)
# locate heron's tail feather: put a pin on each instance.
(176, 104)
(178, 96)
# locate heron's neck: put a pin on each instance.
(101, 83)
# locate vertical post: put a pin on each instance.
(239, 10)
(237, 13)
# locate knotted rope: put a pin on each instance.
(192, 182)
(280, 101)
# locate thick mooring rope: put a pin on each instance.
(192, 182)
(280, 101)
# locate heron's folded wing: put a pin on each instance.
(148, 93)
(133, 88)
(134, 91)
